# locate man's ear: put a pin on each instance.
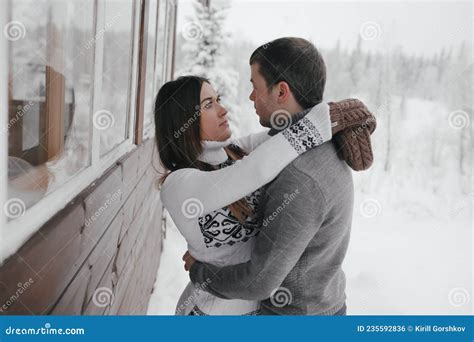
(283, 92)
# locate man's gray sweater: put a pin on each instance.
(295, 267)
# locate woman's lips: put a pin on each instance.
(225, 123)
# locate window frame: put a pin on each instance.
(171, 46)
(15, 232)
(4, 72)
(141, 75)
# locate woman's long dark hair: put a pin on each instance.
(177, 123)
(178, 131)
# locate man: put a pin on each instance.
(306, 212)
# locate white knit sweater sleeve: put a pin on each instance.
(190, 193)
(250, 142)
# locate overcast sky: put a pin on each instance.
(418, 27)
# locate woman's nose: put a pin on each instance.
(222, 110)
(252, 96)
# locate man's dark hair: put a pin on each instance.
(297, 62)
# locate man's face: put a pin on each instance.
(265, 100)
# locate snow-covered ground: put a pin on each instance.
(396, 264)
(171, 278)
(399, 264)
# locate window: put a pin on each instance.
(72, 93)
(160, 51)
(70, 71)
(113, 118)
(50, 77)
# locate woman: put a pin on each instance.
(211, 195)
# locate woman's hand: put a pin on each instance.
(188, 261)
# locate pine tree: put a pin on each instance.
(205, 47)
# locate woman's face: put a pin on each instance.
(214, 124)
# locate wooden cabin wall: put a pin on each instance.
(78, 266)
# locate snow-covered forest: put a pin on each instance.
(411, 246)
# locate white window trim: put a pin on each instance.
(135, 65)
(155, 33)
(3, 124)
(16, 232)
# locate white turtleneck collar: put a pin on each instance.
(213, 152)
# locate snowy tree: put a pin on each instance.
(205, 47)
(355, 65)
(460, 88)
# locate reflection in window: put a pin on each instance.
(112, 120)
(49, 96)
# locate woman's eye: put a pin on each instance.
(208, 105)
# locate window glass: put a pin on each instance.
(112, 119)
(50, 78)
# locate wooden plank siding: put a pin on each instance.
(72, 255)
